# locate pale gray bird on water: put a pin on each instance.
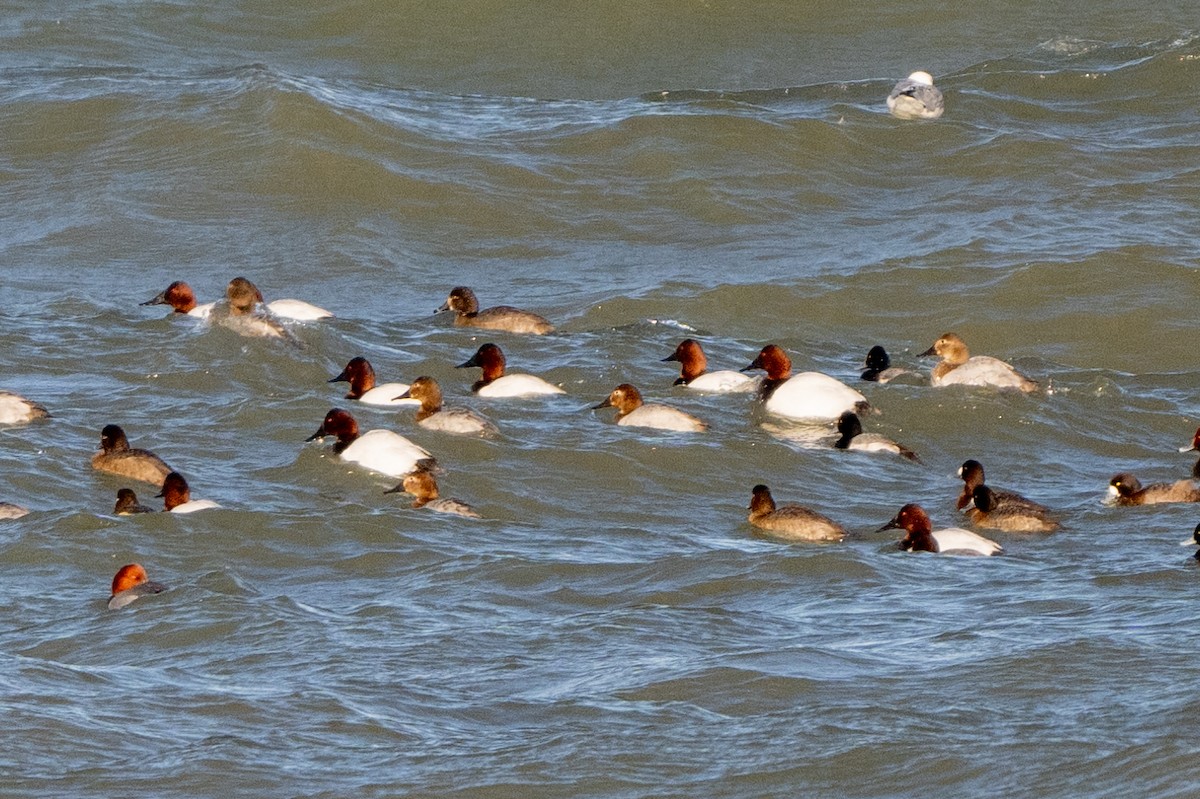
(916, 97)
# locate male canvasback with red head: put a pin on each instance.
(127, 503)
(465, 305)
(433, 416)
(1195, 445)
(130, 584)
(423, 486)
(177, 496)
(849, 427)
(361, 377)
(921, 537)
(972, 475)
(916, 97)
(378, 450)
(791, 522)
(988, 511)
(117, 457)
(633, 412)
(179, 296)
(15, 409)
(495, 382)
(1125, 489)
(958, 367)
(693, 371)
(806, 397)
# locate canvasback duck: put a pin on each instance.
(972, 475)
(1193, 540)
(127, 503)
(790, 522)
(853, 437)
(1125, 489)
(693, 366)
(986, 510)
(878, 367)
(916, 97)
(361, 377)
(631, 411)
(241, 313)
(1195, 446)
(380, 451)
(179, 295)
(130, 584)
(116, 457)
(921, 537)
(423, 485)
(805, 397)
(463, 303)
(496, 383)
(177, 497)
(15, 409)
(9, 510)
(433, 416)
(957, 367)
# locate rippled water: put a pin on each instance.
(613, 626)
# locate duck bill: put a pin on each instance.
(467, 364)
(670, 357)
(159, 299)
(317, 435)
(892, 525)
(341, 378)
(927, 353)
(755, 364)
(405, 395)
(605, 404)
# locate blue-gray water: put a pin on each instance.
(613, 627)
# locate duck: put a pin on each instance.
(495, 382)
(241, 313)
(694, 375)
(177, 497)
(380, 451)
(806, 397)
(790, 522)
(116, 457)
(361, 377)
(11, 510)
(972, 475)
(127, 503)
(1125, 489)
(465, 305)
(1193, 540)
(423, 485)
(879, 367)
(957, 367)
(915, 97)
(180, 296)
(1195, 446)
(986, 510)
(852, 437)
(633, 412)
(130, 584)
(921, 537)
(15, 409)
(433, 416)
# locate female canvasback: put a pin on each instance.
(15, 409)
(130, 584)
(495, 382)
(878, 367)
(9, 510)
(361, 377)
(1193, 447)
(791, 522)
(806, 397)
(957, 367)
(422, 485)
(1125, 489)
(853, 437)
(633, 412)
(433, 416)
(916, 97)
(116, 457)
(972, 475)
(241, 312)
(179, 295)
(465, 306)
(177, 497)
(244, 297)
(378, 450)
(921, 537)
(693, 366)
(127, 503)
(986, 510)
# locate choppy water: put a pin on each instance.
(613, 627)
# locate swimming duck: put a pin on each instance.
(916, 97)
(433, 416)
(177, 496)
(9, 510)
(921, 537)
(127, 503)
(805, 397)
(693, 371)
(182, 299)
(631, 411)
(422, 485)
(496, 383)
(957, 367)
(378, 450)
(131, 583)
(853, 437)
(1125, 489)
(116, 457)
(1194, 447)
(879, 367)
(791, 522)
(361, 377)
(988, 511)
(463, 303)
(972, 475)
(15, 409)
